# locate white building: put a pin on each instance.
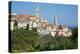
(26, 20)
(42, 25)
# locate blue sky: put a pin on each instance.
(67, 14)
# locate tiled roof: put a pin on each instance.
(23, 16)
(26, 17)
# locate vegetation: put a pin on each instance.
(28, 41)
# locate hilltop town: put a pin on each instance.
(42, 25)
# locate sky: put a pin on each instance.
(66, 14)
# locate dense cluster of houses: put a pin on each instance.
(43, 27)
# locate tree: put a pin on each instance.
(75, 33)
(27, 27)
(74, 37)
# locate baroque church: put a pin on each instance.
(43, 27)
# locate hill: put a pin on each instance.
(28, 41)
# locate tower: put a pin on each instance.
(37, 12)
(55, 20)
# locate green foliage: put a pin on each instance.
(30, 41)
(74, 36)
(34, 29)
(74, 33)
(23, 39)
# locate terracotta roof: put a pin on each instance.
(28, 17)
(23, 16)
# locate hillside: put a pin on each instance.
(28, 41)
